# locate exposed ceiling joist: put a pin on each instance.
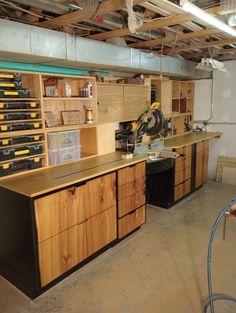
(87, 13)
(210, 44)
(161, 22)
(180, 37)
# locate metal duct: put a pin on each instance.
(25, 43)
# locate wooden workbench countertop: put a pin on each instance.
(54, 178)
(189, 139)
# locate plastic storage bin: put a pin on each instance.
(19, 105)
(21, 139)
(64, 155)
(64, 139)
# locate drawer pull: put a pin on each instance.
(132, 212)
(80, 184)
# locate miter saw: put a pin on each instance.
(144, 133)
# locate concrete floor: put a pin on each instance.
(159, 269)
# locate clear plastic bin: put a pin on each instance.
(64, 155)
(64, 139)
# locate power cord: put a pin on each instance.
(226, 211)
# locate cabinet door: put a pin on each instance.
(101, 230)
(110, 102)
(205, 164)
(136, 101)
(60, 210)
(62, 252)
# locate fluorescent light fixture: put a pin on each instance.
(207, 18)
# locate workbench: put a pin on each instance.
(55, 220)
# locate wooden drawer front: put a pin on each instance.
(131, 188)
(101, 230)
(181, 163)
(182, 189)
(61, 252)
(65, 250)
(186, 151)
(59, 211)
(130, 173)
(131, 221)
(182, 175)
(130, 203)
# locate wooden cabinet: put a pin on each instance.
(201, 171)
(110, 102)
(183, 172)
(131, 198)
(74, 223)
(60, 210)
(136, 101)
(121, 102)
(65, 250)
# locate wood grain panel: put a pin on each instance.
(61, 252)
(181, 163)
(199, 169)
(205, 165)
(110, 102)
(101, 229)
(61, 210)
(179, 192)
(130, 203)
(131, 221)
(131, 188)
(130, 173)
(136, 101)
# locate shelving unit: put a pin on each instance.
(34, 82)
(176, 99)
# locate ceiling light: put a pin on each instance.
(207, 18)
(209, 64)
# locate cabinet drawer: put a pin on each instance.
(62, 252)
(130, 173)
(181, 163)
(60, 210)
(130, 203)
(182, 189)
(199, 146)
(186, 151)
(65, 250)
(131, 221)
(182, 175)
(131, 188)
(101, 230)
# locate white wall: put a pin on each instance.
(224, 110)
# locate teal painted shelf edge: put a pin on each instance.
(18, 66)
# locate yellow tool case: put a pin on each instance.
(16, 105)
(19, 116)
(10, 84)
(19, 126)
(22, 93)
(10, 76)
(17, 152)
(13, 167)
(20, 139)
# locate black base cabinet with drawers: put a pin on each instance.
(169, 181)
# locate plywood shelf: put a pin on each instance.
(68, 98)
(69, 127)
(22, 133)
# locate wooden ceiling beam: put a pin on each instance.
(210, 44)
(180, 37)
(157, 23)
(86, 13)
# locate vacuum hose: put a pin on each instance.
(212, 297)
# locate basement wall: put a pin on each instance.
(221, 92)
